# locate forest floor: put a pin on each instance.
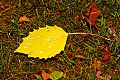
(85, 57)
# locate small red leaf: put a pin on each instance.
(75, 19)
(78, 65)
(92, 13)
(24, 18)
(112, 31)
(97, 64)
(45, 75)
(106, 54)
(98, 75)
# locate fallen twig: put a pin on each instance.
(118, 2)
(91, 34)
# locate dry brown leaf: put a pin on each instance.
(45, 75)
(118, 1)
(98, 75)
(92, 13)
(24, 18)
(75, 19)
(94, 63)
(78, 65)
(36, 75)
(106, 54)
(97, 64)
(5, 8)
(80, 56)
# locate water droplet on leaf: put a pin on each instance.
(33, 38)
(26, 38)
(41, 52)
(47, 29)
(30, 53)
(28, 43)
(49, 46)
(62, 36)
(48, 39)
(50, 36)
(25, 47)
(53, 41)
(57, 37)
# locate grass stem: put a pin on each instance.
(90, 34)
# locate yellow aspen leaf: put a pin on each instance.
(24, 18)
(44, 42)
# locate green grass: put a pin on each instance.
(60, 13)
(38, 16)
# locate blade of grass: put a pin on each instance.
(89, 46)
(19, 4)
(117, 44)
(38, 16)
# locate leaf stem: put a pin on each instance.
(90, 34)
